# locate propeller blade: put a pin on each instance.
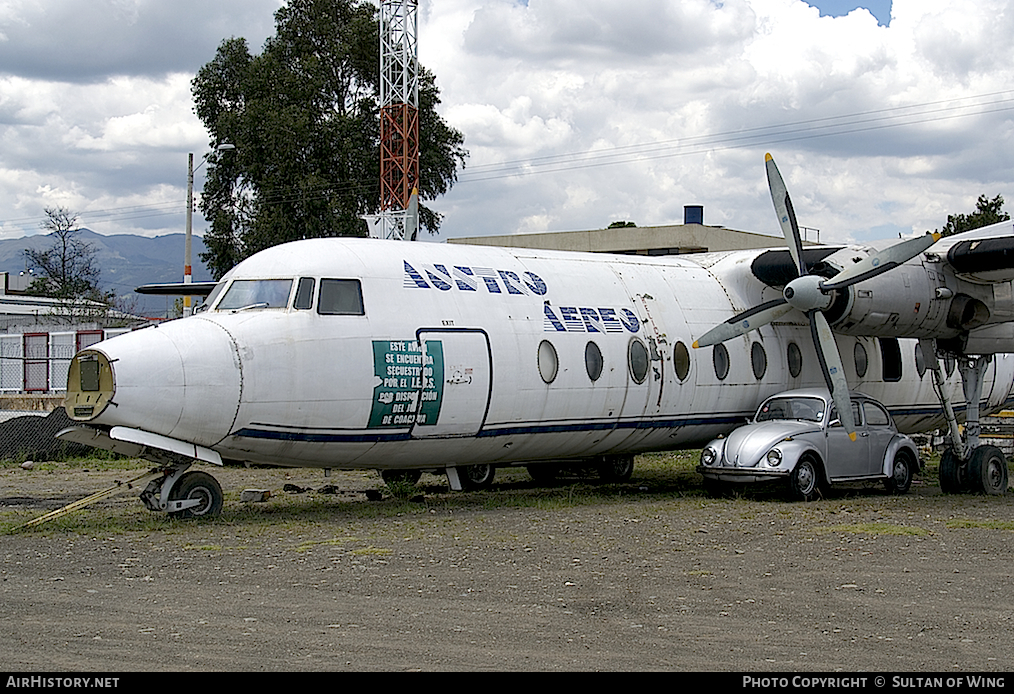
(834, 374)
(786, 215)
(881, 262)
(744, 322)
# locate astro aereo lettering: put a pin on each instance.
(469, 279)
(564, 319)
(574, 319)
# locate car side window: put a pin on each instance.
(856, 415)
(876, 416)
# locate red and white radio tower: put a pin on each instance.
(399, 120)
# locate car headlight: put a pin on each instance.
(773, 458)
(708, 456)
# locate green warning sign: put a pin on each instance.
(411, 383)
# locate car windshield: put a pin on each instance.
(810, 409)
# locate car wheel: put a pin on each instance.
(901, 475)
(806, 480)
(987, 471)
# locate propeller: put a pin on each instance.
(813, 294)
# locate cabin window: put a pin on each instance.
(720, 357)
(862, 359)
(340, 298)
(593, 361)
(256, 294)
(759, 360)
(304, 294)
(890, 353)
(549, 364)
(681, 361)
(920, 360)
(795, 359)
(637, 358)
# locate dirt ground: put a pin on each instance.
(648, 575)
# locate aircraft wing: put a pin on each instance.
(178, 289)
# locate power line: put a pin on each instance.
(766, 135)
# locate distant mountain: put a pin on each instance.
(126, 261)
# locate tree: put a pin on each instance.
(304, 116)
(67, 269)
(621, 225)
(986, 212)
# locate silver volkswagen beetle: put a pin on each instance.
(797, 437)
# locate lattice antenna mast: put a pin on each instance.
(399, 119)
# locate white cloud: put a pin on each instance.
(614, 110)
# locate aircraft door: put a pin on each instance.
(456, 383)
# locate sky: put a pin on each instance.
(884, 117)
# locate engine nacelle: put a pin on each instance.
(924, 300)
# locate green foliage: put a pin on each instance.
(622, 225)
(986, 212)
(304, 116)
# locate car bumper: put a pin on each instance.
(741, 475)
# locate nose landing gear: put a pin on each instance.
(184, 494)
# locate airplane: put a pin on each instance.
(354, 353)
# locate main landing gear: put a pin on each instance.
(967, 465)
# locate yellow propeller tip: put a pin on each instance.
(768, 157)
(852, 436)
(695, 345)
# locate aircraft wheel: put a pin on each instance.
(616, 468)
(806, 481)
(901, 477)
(987, 471)
(200, 486)
(476, 477)
(400, 476)
(951, 473)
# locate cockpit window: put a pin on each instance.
(340, 298)
(304, 294)
(809, 409)
(256, 294)
(210, 300)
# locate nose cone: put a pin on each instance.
(181, 379)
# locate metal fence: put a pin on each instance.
(38, 362)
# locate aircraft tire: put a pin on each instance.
(400, 476)
(987, 471)
(198, 485)
(951, 473)
(476, 477)
(901, 477)
(807, 480)
(616, 468)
